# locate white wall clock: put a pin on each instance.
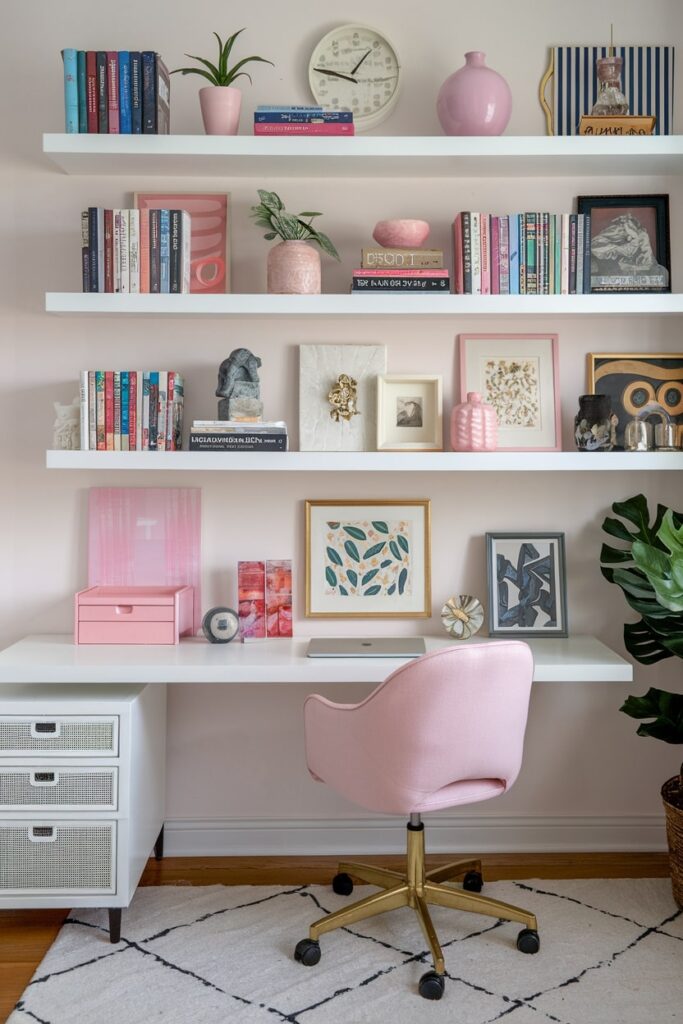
(355, 68)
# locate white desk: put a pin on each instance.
(56, 659)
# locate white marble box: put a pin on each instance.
(319, 368)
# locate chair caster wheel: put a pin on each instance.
(307, 952)
(473, 881)
(432, 985)
(528, 941)
(342, 884)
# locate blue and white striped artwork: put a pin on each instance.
(647, 83)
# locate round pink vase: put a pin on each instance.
(475, 100)
(474, 425)
(293, 269)
(220, 105)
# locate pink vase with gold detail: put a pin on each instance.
(474, 425)
(475, 100)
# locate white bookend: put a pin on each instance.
(134, 250)
(185, 253)
(83, 396)
(125, 251)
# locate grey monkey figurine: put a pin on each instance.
(238, 387)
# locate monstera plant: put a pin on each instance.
(649, 570)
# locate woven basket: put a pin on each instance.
(671, 794)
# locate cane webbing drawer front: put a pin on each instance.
(58, 857)
(60, 735)
(60, 788)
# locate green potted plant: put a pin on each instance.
(293, 264)
(220, 101)
(649, 570)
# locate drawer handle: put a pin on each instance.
(45, 730)
(124, 609)
(42, 834)
(44, 778)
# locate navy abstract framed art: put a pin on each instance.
(527, 585)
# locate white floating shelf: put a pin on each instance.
(365, 156)
(56, 659)
(368, 462)
(97, 304)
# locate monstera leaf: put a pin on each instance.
(665, 708)
(649, 571)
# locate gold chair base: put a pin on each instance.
(416, 889)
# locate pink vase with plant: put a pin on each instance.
(293, 264)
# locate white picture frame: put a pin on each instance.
(409, 413)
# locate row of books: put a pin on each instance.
(113, 92)
(135, 250)
(238, 435)
(274, 120)
(131, 410)
(522, 254)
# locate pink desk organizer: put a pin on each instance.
(133, 615)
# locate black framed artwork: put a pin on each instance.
(630, 250)
(527, 587)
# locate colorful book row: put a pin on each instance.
(131, 410)
(135, 250)
(521, 254)
(113, 92)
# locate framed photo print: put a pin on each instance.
(629, 243)
(409, 416)
(368, 559)
(518, 375)
(210, 238)
(645, 384)
(527, 587)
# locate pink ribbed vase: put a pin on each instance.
(474, 425)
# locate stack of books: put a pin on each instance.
(237, 435)
(274, 120)
(135, 250)
(131, 410)
(522, 254)
(115, 92)
(401, 270)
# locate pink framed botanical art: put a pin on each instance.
(518, 375)
(210, 238)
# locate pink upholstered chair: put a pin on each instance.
(443, 730)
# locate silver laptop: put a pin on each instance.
(366, 647)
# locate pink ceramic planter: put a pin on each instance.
(475, 100)
(220, 105)
(294, 269)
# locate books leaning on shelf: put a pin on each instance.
(521, 254)
(135, 250)
(131, 410)
(113, 92)
(274, 120)
(238, 435)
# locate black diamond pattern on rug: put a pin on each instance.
(611, 953)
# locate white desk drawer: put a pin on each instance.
(59, 735)
(53, 857)
(58, 788)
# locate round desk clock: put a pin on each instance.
(220, 625)
(355, 68)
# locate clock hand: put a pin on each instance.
(336, 74)
(360, 62)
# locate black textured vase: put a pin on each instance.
(592, 424)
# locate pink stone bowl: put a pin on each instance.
(401, 234)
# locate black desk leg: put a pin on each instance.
(159, 846)
(115, 924)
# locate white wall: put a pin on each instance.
(237, 779)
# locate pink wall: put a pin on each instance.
(236, 754)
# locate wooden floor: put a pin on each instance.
(26, 935)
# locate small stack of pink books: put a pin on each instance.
(274, 120)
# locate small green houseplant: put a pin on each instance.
(649, 570)
(293, 265)
(220, 101)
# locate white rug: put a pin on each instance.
(611, 953)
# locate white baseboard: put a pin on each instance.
(273, 837)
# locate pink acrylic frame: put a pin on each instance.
(555, 355)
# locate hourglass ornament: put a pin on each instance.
(611, 101)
